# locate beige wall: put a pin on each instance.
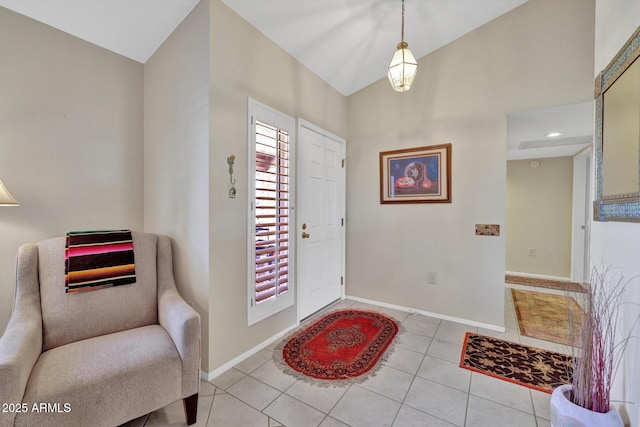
(461, 95)
(616, 243)
(244, 63)
(176, 154)
(71, 139)
(186, 110)
(539, 209)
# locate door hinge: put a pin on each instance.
(342, 280)
(342, 221)
(251, 302)
(343, 163)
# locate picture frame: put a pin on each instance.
(416, 175)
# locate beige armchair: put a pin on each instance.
(97, 358)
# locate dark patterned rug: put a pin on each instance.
(520, 364)
(341, 345)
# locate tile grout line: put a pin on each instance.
(211, 407)
(426, 379)
(336, 404)
(414, 375)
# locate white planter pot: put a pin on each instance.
(567, 414)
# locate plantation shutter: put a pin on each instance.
(271, 212)
(271, 191)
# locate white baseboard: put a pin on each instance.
(247, 354)
(430, 314)
(538, 276)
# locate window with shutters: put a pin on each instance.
(271, 139)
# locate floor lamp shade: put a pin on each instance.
(6, 199)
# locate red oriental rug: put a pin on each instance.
(528, 366)
(341, 345)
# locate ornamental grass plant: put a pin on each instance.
(600, 349)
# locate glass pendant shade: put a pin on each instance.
(6, 199)
(402, 69)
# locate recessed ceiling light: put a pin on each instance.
(553, 134)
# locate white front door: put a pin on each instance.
(320, 218)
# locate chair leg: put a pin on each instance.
(191, 408)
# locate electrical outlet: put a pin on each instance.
(432, 278)
(532, 252)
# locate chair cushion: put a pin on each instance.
(73, 317)
(105, 380)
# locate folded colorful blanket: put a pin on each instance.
(98, 259)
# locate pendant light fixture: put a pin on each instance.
(403, 67)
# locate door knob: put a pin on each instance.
(305, 235)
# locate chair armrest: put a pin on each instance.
(183, 325)
(179, 319)
(21, 343)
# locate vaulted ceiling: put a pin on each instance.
(347, 43)
(132, 28)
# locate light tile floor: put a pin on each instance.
(419, 385)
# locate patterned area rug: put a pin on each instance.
(520, 364)
(341, 345)
(544, 283)
(546, 316)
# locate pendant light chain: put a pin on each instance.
(402, 30)
(402, 69)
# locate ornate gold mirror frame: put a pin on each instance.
(614, 207)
